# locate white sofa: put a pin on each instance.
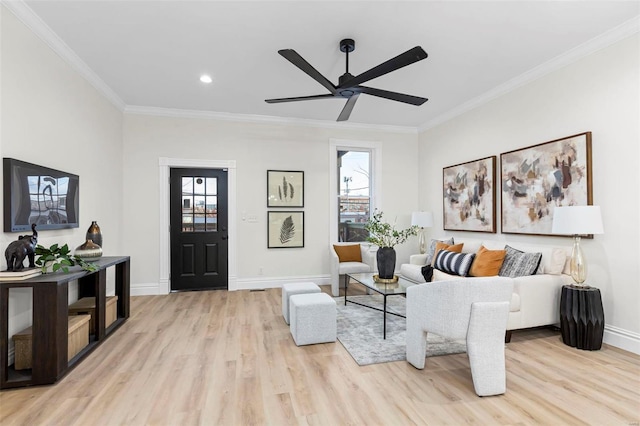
(536, 298)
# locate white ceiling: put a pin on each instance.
(151, 53)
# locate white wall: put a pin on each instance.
(51, 116)
(256, 148)
(599, 93)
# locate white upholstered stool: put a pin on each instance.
(313, 318)
(290, 289)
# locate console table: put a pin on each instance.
(581, 317)
(50, 319)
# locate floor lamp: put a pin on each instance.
(423, 220)
(577, 221)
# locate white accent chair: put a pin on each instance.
(342, 268)
(475, 309)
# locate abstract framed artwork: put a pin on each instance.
(285, 229)
(285, 188)
(469, 194)
(541, 177)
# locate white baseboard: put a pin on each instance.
(259, 283)
(623, 339)
(254, 283)
(145, 289)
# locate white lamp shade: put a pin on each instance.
(577, 220)
(422, 219)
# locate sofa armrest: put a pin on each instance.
(540, 298)
(418, 259)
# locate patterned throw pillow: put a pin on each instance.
(431, 251)
(456, 248)
(454, 263)
(519, 264)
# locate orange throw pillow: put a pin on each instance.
(456, 248)
(487, 262)
(348, 253)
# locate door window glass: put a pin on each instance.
(199, 204)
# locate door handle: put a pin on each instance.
(225, 236)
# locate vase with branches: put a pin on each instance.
(386, 237)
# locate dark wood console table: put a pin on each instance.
(581, 317)
(50, 319)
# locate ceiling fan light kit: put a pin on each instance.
(349, 86)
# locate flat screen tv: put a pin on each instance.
(36, 194)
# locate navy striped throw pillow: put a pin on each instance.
(454, 263)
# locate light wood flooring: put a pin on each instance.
(227, 358)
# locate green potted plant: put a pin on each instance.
(56, 258)
(386, 237)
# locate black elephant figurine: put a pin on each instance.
(18, 250)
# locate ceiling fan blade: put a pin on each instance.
(298, 98)
(346, 111)
(394, 96)
(297, 60)
(407, 58)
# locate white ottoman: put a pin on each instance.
(290, 289)
(313, 318)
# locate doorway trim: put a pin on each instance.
(164, 166)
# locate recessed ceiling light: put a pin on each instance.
(206, 78)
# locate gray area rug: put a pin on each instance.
(360, 332)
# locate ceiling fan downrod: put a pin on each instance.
(346, 45)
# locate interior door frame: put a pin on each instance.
(164, 166)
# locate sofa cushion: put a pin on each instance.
(487, 262)
(517, 263)
(432, 249)
(472, 245)
(454, 263)
(439, 275)
(348, 253)
(553, 258)
(555, 266)
(456, 248)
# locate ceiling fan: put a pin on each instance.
(348, 85)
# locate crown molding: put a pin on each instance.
(622, 31)
(263, 119)
(23, 12)
(28, 17)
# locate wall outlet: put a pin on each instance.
(260, 271)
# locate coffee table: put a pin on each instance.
(395, 289)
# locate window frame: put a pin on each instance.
(375, 177)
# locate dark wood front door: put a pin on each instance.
(199, 237)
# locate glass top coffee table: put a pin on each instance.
(366, 279)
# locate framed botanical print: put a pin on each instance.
(285, 229)
(468, 196)
(285, 188)
(541, 177)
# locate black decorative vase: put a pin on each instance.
(93, 233)
(386, 257)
